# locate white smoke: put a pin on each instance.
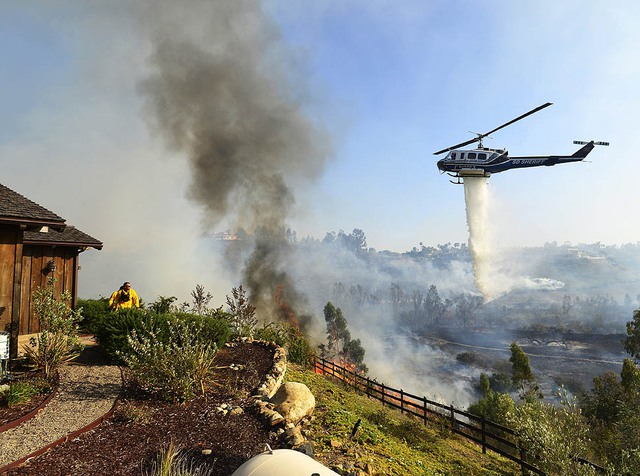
(494, 271)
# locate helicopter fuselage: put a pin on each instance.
(484, 161)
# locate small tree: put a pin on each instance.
(521, 374)
(485, 384)
(163, 305)
(632, 341)
(555, 436)
(339, 342)
(57, 341)
(242, 312)
(630, 376)
(200, 300)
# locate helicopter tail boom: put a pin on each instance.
(583, 151)
(588, 147)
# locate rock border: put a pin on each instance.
(262, 406)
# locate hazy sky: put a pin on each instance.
(389, 81)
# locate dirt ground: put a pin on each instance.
(130, 441)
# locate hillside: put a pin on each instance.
(386, 441)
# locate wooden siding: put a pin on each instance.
(23, 270)
(34, 262)
(10, 243)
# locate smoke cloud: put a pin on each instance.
(495, 271)
(223, 94)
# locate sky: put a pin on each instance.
(385, 83)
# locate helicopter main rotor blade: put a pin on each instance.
(461, 144)
(481, 136)
(532, 111)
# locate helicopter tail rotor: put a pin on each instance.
(581, 142)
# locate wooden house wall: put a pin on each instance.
(34, 276)
(22, 271)
(10, 247)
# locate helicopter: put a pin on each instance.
(483, 161)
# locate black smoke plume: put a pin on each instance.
(225, 91)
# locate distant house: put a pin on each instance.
(35, 245)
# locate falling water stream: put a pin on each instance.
(476, 198)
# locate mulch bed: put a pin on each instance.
(129, 442)
(9, 414)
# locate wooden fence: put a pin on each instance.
(491, 436)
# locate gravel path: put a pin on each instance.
(85, 393)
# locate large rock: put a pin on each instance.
(294, 401)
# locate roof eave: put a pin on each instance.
(55, 225)
(70, 244)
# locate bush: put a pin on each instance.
(94, 312)
(22, 391)
(494, 406)
(556, 436)
(216, 330)
(176, 366)
(113, 332)
(288, 337)
(114, 329)
(57, 342)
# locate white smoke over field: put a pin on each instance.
(494, 270)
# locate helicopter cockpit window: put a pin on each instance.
(453, 155)
(482, 156)
(471, 155)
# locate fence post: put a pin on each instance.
(424, 399)
(453, 417)
(368, 390)
(382, 386)
(484, 437)
(401, 402)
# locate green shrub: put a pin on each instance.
(19, 392)
(554, 435)
(94, 312)
(115, 327)
(114, 330)
(288, 337)
(216, 330)
(57, 342)
(175, 366)
(23, 391)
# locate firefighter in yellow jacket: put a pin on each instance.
(124, 298)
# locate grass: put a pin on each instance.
(171, 462)
(386, 441)
(20, 392)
